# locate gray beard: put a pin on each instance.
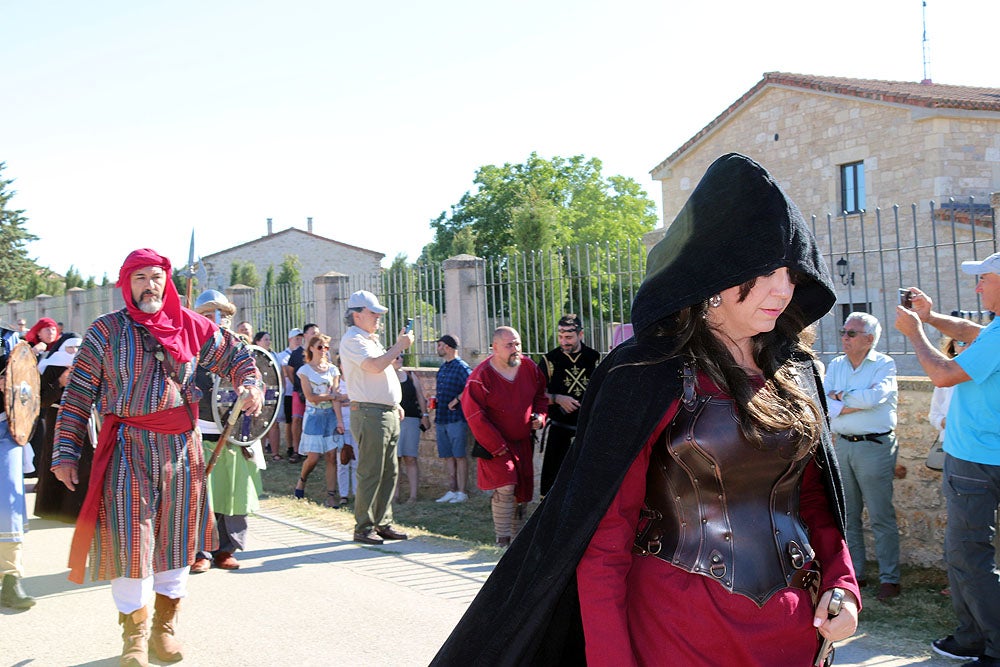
(514, 361)
(151, 307)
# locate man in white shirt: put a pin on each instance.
(375, 415)
(862, 392)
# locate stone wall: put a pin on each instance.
(920, 508)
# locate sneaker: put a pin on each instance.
(459, 497)
(950, 648)
(446, 498)
(983, 661)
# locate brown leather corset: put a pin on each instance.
(719, 507)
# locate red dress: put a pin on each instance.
(499, 411)
(641, 610)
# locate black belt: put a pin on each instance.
(870, 437)
(378, 406)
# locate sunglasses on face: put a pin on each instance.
(322, 347)
(851, 334)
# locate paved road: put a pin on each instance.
(306, 595)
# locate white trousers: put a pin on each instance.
(10, 559)
(132, 594)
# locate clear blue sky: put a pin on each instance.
(127, 124)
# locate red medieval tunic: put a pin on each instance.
(498, 411)
(641, 610)
(153, 511)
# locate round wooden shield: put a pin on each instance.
(249, 429)
(22, 392)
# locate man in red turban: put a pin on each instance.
(146, 509)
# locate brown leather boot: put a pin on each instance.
(135, 633)
(161, 639)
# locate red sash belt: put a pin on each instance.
(174, 421)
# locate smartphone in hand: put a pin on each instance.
(409, 326)
(906, 298)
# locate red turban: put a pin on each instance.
(32, 335)
(180, 331)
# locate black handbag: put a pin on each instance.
(479, 451)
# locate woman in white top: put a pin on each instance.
(322, 428)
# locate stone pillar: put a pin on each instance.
(649, 239)
(74, 306)
(13, 311)
(465, 306)
(241, 296)
(42, 305)
(331, 291)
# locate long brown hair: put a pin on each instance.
(780, 405)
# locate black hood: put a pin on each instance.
(738, 224)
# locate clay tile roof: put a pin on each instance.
(926, 95)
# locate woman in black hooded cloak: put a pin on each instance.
(701, 496)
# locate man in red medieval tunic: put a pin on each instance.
(504, 400)
(145, 511)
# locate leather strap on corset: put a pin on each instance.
(719, 507)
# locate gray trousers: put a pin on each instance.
(232, 534)
(972, 491)
(868, 469)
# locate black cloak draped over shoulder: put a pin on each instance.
(737, 224)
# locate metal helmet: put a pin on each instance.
(214, 305)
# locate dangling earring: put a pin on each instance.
(715, 300)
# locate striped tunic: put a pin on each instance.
(154, 511)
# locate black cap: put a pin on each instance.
(450, 341)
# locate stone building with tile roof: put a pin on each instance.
(915, 142)
(898, 175)
(317, 254)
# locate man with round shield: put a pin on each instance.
(234, 483)
(146, 509)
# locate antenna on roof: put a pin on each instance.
(927, 48)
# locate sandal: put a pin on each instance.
(276, 457)
(343, 502)
(300, 493)
(330, 502)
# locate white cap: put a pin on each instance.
(292, 333)
(365, 299)
(989, 265)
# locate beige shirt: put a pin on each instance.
(356, 346)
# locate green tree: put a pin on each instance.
(507, 208)
(244, 273)
(180, 278)
(73, 278)
(16, 269)
(463, 242)
(291, 271)
(282, 301)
